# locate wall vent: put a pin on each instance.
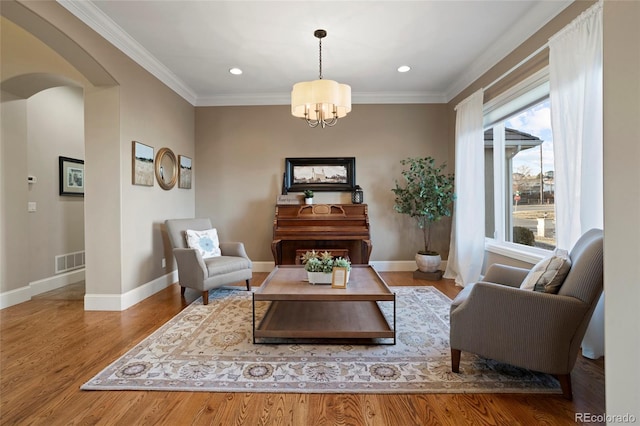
(69, 261)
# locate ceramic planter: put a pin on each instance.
(428, 262)
(322, 277)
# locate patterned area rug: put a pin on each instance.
(209, 348)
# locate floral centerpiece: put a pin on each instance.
(319, 266)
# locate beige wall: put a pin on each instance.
(55, 127)
(622, 206)
(240, 154)
(14, 247)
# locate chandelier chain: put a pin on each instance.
(320, 61)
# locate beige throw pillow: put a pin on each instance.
(548, 275)
(206, 242)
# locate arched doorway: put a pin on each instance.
(43, 121)
(65, 65)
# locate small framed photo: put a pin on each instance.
(143, 173)
(184, 172)
(339, 278)
(71, 176)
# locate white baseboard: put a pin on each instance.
(379, 265)
(14, 297)
(23, 294)
(57, 281)
(393, 266)
(120, 302)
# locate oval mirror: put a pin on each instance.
(166, 168)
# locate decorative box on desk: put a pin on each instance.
(321, 227)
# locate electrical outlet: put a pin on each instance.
(164, 262)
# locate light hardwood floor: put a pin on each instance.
(50, 346)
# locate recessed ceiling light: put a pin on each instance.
(235, 71)
(404, 68)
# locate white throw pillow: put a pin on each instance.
(548, 275)
(206, 242)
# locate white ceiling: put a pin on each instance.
(191, 45)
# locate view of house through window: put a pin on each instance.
(519, 178)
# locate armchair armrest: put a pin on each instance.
(192, 270)
(233, 249)
(506, 275)
(515, 323)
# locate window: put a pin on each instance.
(519, 166)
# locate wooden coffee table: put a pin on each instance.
(299, 310)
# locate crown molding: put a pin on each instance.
(398, 98)
(285, 99)
(535, 19)
(245, 99)
(98, 21)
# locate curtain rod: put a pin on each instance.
(518, 65)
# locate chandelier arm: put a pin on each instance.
(331, 122)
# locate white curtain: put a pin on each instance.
(466, 250)
(575, 74)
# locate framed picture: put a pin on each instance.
(320, 174)
(71, 176)
(339, 278)
(184, 172)
(142, 173)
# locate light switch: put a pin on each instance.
(31, 206)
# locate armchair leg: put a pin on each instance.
(205, 297)
(248, 285)
(565, 384)
(455, 360)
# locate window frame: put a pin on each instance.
(525, 94)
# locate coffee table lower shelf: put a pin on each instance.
(323, 320)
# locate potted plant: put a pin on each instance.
(427, 196)
(308, 196)
(319, 266)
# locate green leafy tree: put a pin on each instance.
(427, 195)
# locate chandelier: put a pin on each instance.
(320, 102)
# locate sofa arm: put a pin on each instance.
(505, 275)
(192, 270)
(233, 249)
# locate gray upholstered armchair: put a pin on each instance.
(205, 274)
(542, 332)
